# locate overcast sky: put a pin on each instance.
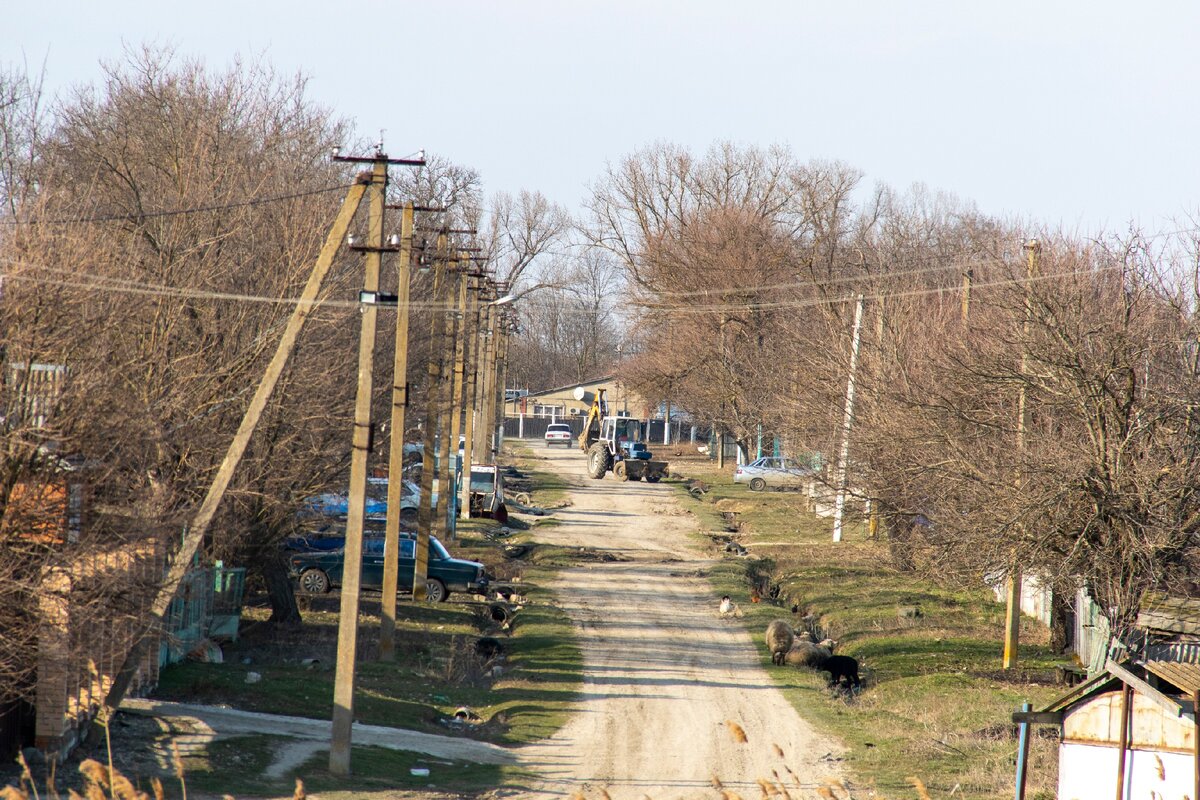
(1077, 114)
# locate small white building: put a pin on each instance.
(1130, 732)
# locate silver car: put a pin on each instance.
(772, 472)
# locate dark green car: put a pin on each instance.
(319, 570)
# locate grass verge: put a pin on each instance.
(436, 671)
(935, 702)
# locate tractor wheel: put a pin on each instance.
(653, 478)
(620, 471)
(599, 460)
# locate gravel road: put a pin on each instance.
(663, 672)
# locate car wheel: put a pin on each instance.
(435, 591)
(757, 485)
(314, 581)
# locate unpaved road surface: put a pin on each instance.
(663, 673)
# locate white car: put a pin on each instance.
(768, 471)
(558, 433)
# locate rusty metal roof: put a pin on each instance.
(1184, 676)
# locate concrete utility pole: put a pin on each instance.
(391, 549)
(839, 506)
(425, 515)
(1012, 619)
(500, 376)
(473, 352)
(456, 390)
(448, 448)
(343, 685)
(194, 534)
(968, 276)
(482, 444)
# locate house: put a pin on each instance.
(1130, 731)
(575, 399)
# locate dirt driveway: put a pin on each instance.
(662, 672)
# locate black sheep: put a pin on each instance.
(840, 667)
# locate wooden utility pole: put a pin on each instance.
(471, 359)
(391, 549)
(425, 515)
(181, 561)
(347, 648)
(839, 505)
(1012, 620)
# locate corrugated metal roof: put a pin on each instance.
(1183, 676)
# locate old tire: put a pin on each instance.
(314, 581)
(653, 478)
(599, 460)
(620, 471)
(435, 591)
(757, 485)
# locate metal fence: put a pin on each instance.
(681, 432)
(207, 606)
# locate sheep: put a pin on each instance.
(779, 640)
(840, 667)
(807, 654)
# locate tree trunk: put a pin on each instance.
(1060, 621)
(284, 610)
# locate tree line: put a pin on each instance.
(152, 227)
(1017, 405)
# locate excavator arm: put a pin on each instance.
(596, 413)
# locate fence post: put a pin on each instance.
(521, 425)
(1023, 754)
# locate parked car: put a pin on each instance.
(772, 472)
(558, 433)
(317, 571)
(337, 504)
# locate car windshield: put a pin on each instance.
(629, 429)
(436, 548)
(559, 429)
(483, 481)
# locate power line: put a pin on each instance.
(176, 211)
(126, 286)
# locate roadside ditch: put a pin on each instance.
(934, 704)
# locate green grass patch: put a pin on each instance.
(238, 766)
(434, 673)
(936, 703)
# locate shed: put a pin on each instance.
(1130, 731)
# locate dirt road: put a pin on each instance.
(663, 672)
